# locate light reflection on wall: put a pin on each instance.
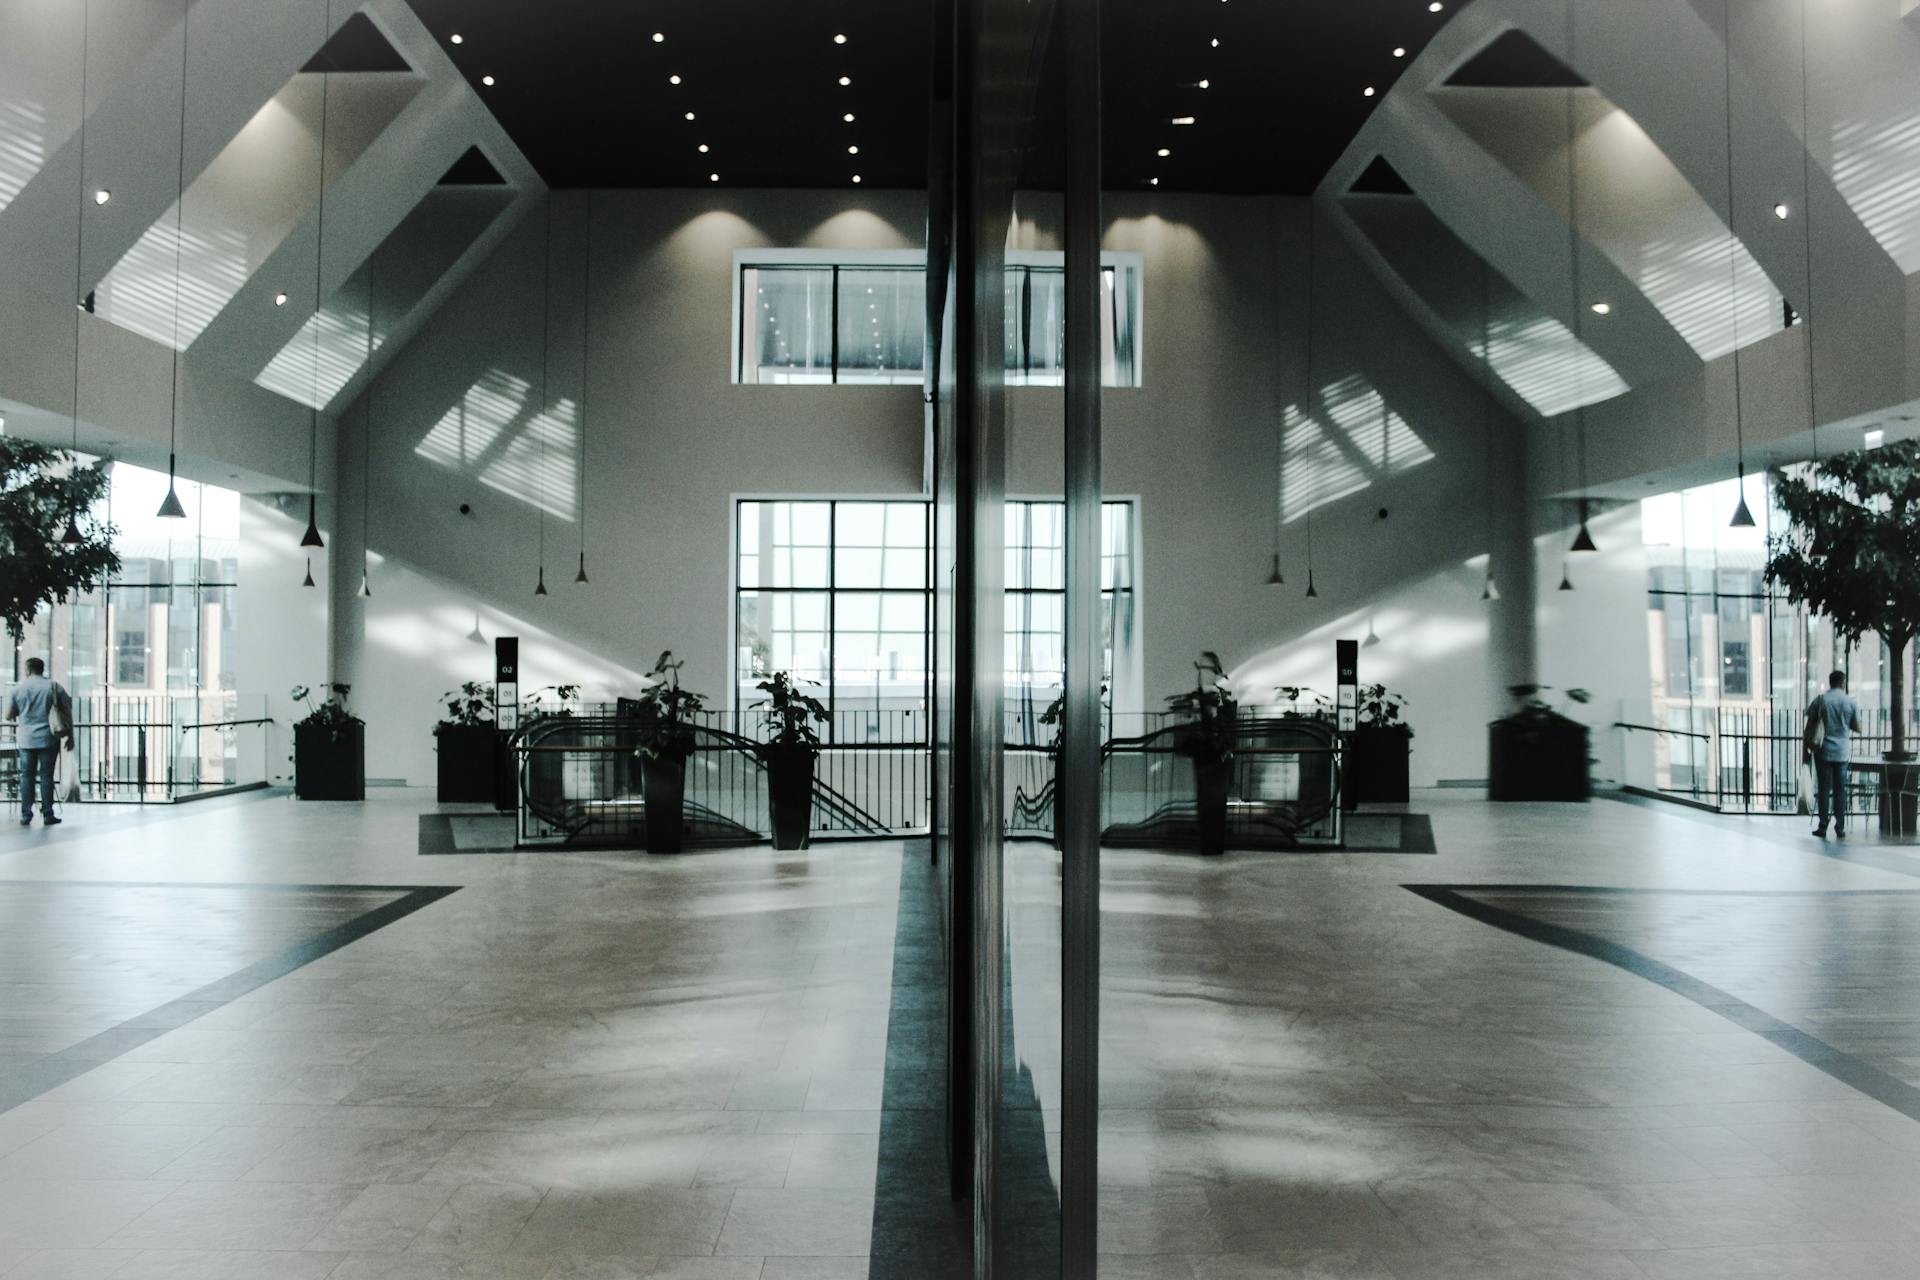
(1689, 281)
(1545, 365)
(1876, 165)
(23, 146)
(1366, 442)
(342, 348)
(496, 435)
(139, 292)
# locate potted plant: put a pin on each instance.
(1378, 755)
(1851, 553)
(790, 751)
(1537, 753)
(466, 743)
(665, 741)
(329, 747)
(1209, 738)
(1297, 702)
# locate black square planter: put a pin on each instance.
(330, 763)
(466, 763)
(1538, 757)
(1377, 766)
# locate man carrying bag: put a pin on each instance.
(44, 713)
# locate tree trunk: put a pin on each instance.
(1897, 655)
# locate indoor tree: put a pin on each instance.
(52, 546)
(1851, 552)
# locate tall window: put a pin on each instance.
(806, 320)
(838, 593)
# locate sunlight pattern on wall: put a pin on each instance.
(23, 146)
(1359, 442)
(1689, 281)
(138, 294)
(341, 350)
(1545, 365)
(1876, 165)
(497, 435)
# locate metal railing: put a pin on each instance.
(156, 748)
(1747, 760)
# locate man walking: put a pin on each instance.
(1832, 720)
(33, 704)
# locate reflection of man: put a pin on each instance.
(31, 704)
(1832, 720)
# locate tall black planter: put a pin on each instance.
(1377, 766)
(1538, 756)
(790, 793)
(1899, 802)
(1212, 781)
(467, 759)
(330, 763)
(664, 781)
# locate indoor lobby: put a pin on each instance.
(980, 640)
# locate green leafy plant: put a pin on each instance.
(1305, 703)
(40, 490)
(1381, 708)
(1851, 553)
(469, 706)
(666, 713)
(330, 712)
(534, 705)
(789, 712)
(1211, 709)
(1535, 707)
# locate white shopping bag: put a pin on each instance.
(68, 790)
(1806, 788)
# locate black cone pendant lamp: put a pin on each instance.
(1583, 542)
(586, 368)
(540, 587)
(546, 310)
(311, 538)
(309, 581)
(582, 575)
(1276, 578)
(170, 508)
(1583, 539)
(1742, 513)
(1566, 577)
(1313, 392)
(71, 535)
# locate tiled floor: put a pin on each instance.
(591, 1065)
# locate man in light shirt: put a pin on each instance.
(1832, 720)
(31, 706)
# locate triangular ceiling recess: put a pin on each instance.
(473, 170)
(358, 46)
(1515, 60)
(1380, 179)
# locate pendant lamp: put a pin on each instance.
(539, 423)
(1742, 513)
(309, 581)
(1806, 214)
(366, 451)
(1313, 390)
(1583, 542)
(476, 635)
(71, 536)
(311, 538)
(1566, 577)
(1277, 578)
(1487, 590)
(586, 367)
(1583, 539)
(170, 508)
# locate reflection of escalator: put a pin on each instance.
(579, 779)
(1285, 790)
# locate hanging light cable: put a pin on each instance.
(1742, 513)
(71, 536)
(1276, 578)
(586, 365)
(366, 449)
(1806, 215)
(1313, 391)
(170, 508)
(1583, 538)
(539, 420)
(311, 538)
(1488, 590)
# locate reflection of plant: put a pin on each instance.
(1212, 709)
(789, 713)
(331, 712)
(469, 706)
(1535, 707)
(40, 490)
(534, 706)
(666, 712)
(1304, 703)
(1380, 709)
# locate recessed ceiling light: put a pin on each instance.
(856, 177)
(659, 37)
(1206, 84)
(853, 151)
(1435, 7)
(457, 38)
(1153, 182)
(1781, 211)
(713, 177)
(102, 196)
(703, 148)
(673, 79)
(689, 115)
(848, 117)
(487, 80)
(279, 299)
(1163, 152)
(1183, 120)
(1603, 309)
(1367, 92)
(1399, 51)
(1874, 438)
(839, 39)
(846, 80)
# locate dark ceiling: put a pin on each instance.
(583, 88)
